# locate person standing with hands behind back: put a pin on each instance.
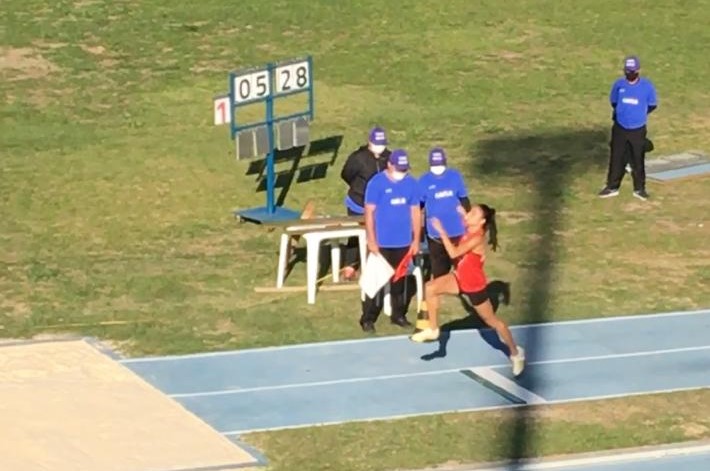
(393, 223)
(633, 98)
(359, 168)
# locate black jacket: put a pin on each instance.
(359, 167)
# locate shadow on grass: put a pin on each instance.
(299, 257)
(546, 163)
(297, 172)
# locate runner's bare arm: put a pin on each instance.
(455, 251)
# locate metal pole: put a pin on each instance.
(233, 123)
(270, 177)
(310, 87)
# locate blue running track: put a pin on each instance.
(244, 391)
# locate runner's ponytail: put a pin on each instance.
(490, 225)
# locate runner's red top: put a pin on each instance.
(469, 269)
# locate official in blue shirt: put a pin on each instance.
(632, 98)
(393, 222)
(442, 190)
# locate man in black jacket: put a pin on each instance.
(359, 168)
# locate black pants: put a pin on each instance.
(438, 258)
(351, 255)
(632, 141)
(371, 307)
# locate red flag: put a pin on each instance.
(403, 267)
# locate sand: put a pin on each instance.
(66, 406)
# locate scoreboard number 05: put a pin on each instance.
(292, 77)
(251, 86)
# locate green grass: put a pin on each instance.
(491, 436)
(116, 190)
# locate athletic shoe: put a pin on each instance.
(368, 327)
(426, 335)
(641, 194)
(628, 168)
(401, 321)
(518, 361)
(608, 192)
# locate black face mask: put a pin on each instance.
(631, 76)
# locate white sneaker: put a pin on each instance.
(426, 335)
(518, 361)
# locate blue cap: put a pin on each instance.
(400, 160)
(632, 64)
(378, 136)
(437, 157)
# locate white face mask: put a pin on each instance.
(377, 150)
(398, 175)
(438, 169)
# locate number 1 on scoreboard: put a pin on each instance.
(222, 110)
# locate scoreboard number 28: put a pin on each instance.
(292, 77)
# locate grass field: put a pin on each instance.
(116, 190)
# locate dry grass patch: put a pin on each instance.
(24, 63)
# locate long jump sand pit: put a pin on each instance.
(66, 406)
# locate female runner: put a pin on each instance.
(469, 279)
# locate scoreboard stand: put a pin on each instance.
(266, 84)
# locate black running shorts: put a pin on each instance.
(479, 297)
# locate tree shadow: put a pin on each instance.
(295, 171)
(545, 163)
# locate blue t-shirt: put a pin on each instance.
(632, 102)
(441, 195)
(393, 208)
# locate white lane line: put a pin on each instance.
(464, 410)
(313, 384)
(598, 320)
(435, 372)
